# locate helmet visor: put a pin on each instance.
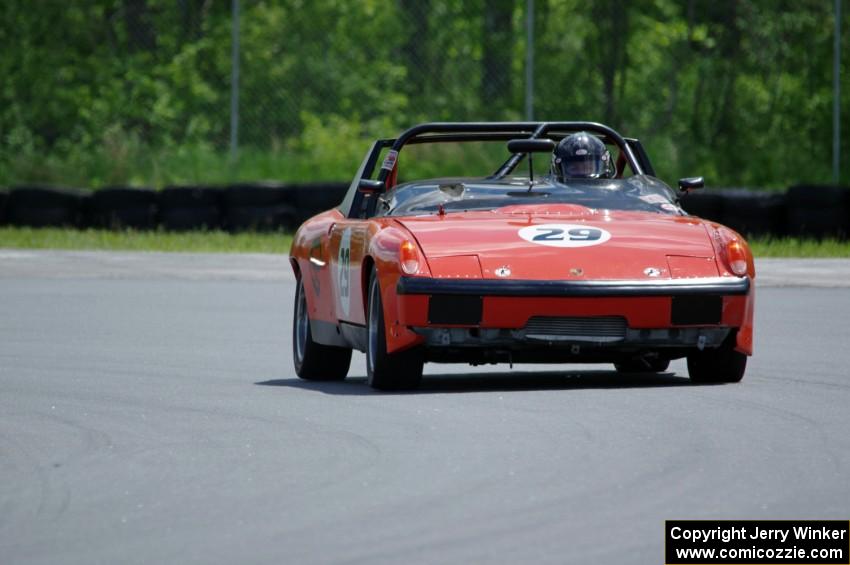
(585, 166)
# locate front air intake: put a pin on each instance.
(600, 329)
(458, 310)
(696, 310)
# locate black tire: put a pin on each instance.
(120, 207)
(750, 212)
(257, 194)
(721, 365)
(189, 196)
(705, 205)
(190, 218)
(818, 211)
(4, 198)
(184, 208)
(260, 218)
(45, 206)
(314, 361)
(116, 197)
(384, 371)
(643, 365)
(817, 196)
(313, 198)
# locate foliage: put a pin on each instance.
(115, 91)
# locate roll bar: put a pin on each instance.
(434, 132)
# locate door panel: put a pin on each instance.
(347, 248)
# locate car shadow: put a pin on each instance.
(497, 382)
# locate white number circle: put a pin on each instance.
(564, 235)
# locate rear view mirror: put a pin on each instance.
(691, 183)
(531, 145)
(370, 186)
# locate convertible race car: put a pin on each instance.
(592, 261)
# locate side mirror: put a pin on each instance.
(531, 145)
(691, 183)
(369, 186)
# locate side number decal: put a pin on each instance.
(564, 235)
(343, 273)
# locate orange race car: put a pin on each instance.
(592, 261)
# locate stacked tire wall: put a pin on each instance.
(261, 206)
(802, 211)
(808, 211)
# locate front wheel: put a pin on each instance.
(385, 371)
(314, 361)
(721, 365)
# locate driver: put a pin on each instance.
(581, 156)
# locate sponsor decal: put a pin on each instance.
(652, 272)
(564, 235)
(343, 274)
(504, 271)
(389, 160)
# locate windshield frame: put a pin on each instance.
(640, 193)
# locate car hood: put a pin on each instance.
(562, 243)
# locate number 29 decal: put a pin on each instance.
(564, 235)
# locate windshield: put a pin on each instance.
(637, 193)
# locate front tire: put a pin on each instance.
(384, 371)
(722, 365)
(314, 361)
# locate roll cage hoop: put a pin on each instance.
(354, 204)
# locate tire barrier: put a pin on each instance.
(122, 207)
(263, 206)
(4, 198)
(184, 208)
(311, 198)
(803, 211)
(45, 206)
(818, 211)
(752, 213)
(706, 205)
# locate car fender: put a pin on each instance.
(383, 256)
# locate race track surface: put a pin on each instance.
(149, 413)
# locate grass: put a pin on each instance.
(795, 247)
(224, 242)
(199, 241)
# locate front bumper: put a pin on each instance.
(731, 286)
(505, 315)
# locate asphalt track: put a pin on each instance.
(149, 414)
